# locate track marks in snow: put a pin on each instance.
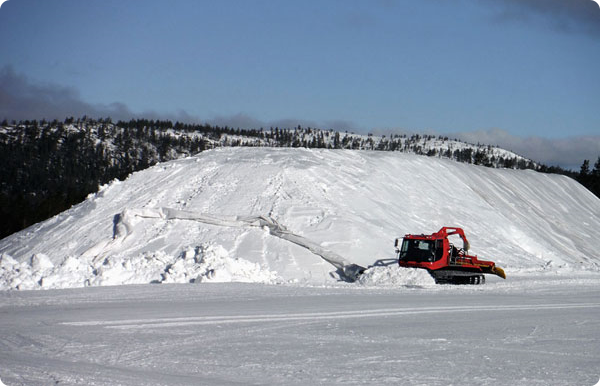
(133, 324)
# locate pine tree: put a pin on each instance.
(596, 171)
(585, 169)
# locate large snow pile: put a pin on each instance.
(315, 208)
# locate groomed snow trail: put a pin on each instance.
(348, 206)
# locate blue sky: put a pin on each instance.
(522, 74)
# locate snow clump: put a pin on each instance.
(212, 263)
(394, 276)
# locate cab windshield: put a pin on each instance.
(421, 250)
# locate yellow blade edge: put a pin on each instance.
(498, 271)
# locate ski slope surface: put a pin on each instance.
(290, 215)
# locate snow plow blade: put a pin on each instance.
(499, 272)
(494, 270)
(351, 272)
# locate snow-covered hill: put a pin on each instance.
(352, 204)
(50, 166)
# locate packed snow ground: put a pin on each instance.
(535, 331)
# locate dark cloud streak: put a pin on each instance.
(246, 121)
(571, 16)
(23, 99)
(568, 152)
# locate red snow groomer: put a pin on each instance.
(445, 262)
